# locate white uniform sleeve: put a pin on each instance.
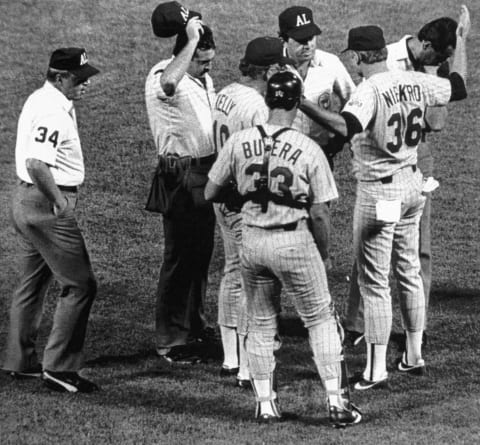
(45, 139)
(362, 104)
(437, 90)
(222, 169)
(322, 183)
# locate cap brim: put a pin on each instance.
(85, 71)
(305, 32)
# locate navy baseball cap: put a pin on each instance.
(73, 60)
(365, 38)
(266, 51)
(170, 18)
(297, 22)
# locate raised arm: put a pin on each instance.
(177, 68)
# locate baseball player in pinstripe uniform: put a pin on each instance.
(284, 179)
(389, 202)
(323, 74)
(238, 106)
(434, 44)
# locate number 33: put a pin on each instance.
(42, 136)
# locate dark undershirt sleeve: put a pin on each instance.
(353, 125)
(459, 91)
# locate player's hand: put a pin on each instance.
(328, 264)
(363, 139)
(59, 208)
(194, 29)
(463, 27)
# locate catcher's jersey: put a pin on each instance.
(392, 106)
(326, 75)
(237, 107)
(181, 124)
(297, 167)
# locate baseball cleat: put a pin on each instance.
(244, 383)
(68, 382)
(353, 338)
(228, 372)
(343, 417)
(364, 384)
(273, 417)
(417, 369)
(30, 373)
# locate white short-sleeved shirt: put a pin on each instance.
(47, 131)
(237, 107)
(397, 58)
(297, 166)
(392, 106)
(326, 74)
(181, 124)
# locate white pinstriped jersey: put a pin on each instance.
(326, 74)
(237, 107)
(392, 106)
(47, 131)
(297, 166)
(181, 124)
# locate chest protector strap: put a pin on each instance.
(262, 195)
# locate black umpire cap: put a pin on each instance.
(170, 18)
(365, 38)
(73, 60)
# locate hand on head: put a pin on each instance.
(194, 29)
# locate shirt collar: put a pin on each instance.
(59, 97)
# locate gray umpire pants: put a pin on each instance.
(49, 246)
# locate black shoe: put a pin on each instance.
(68, 382)
(228, 372)
(31, 373)
(343, 417)
(181, 355)
(244, 383)
(417, 369)
(208, 335)
(353, 338)
(268, 418)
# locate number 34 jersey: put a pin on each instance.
(297, 168)
(392, 106)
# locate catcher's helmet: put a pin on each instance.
(284, 90)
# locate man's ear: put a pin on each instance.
(426, 45)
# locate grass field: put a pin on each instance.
(145, 401)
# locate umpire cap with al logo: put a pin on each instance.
(73, 60)
(169, 18)
(297, 22)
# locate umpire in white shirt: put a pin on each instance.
(179, 98)
(49, 165)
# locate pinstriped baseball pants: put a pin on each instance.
(231, 298)
(276, 259)
(378, 244)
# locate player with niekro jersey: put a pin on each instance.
(238, 106)
(389, 200)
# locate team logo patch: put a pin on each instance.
(355, 103)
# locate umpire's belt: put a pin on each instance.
(389, 179)
(62, 188)
(169, 162)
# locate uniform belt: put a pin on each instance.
(185, 161)
(62, 188)
(286, 227)
(389, 179)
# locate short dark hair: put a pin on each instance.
(205, 43)
(52, 74)
(441, 33)
(252, 71)
(374, 56)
